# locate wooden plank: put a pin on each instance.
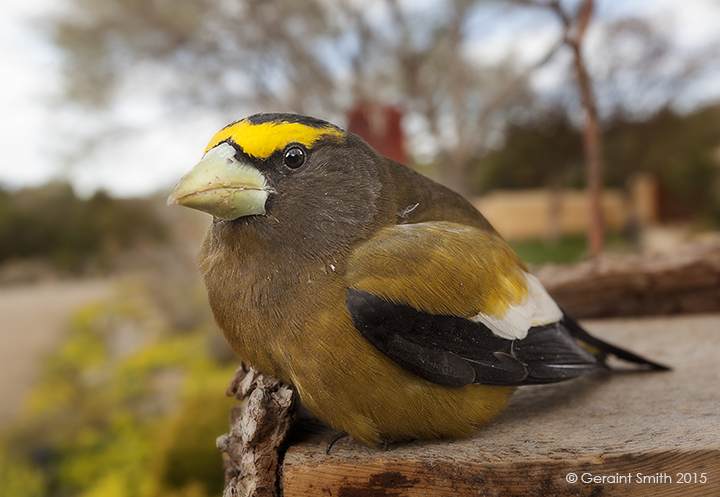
(663, 427)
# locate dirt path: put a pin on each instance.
(32, 322)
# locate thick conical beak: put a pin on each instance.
(222, 186)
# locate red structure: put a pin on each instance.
(380, 126)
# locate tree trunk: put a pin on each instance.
(591, 135)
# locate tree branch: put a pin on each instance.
(258, 433)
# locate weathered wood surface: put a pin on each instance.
(660, 424)
(633, 285)
(258, 431)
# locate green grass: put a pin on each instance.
(565, 251)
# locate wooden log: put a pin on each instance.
(625, 433)
(684, 282)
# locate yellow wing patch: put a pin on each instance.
(441, 268)
(261, 140)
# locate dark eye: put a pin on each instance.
(294, 157)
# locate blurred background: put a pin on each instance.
(581, 129)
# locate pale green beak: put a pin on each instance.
(222, 186)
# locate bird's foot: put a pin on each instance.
(335, 438)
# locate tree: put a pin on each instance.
(574, 27)
(308, 56)
(574, 35)
(320, 57)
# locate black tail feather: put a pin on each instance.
(579, 333)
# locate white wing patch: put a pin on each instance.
(537, 309)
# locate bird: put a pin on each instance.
(386, 300)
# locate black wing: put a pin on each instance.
(579, 333)
(454, 351)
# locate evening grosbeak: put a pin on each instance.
(387, 300)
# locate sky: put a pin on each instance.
(35, 131)
(38, 135)
(29, 70)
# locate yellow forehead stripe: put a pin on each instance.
(261, 140)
